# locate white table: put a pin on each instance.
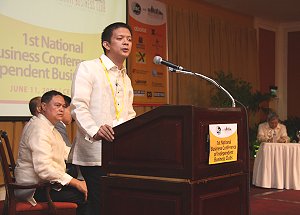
(277, 165)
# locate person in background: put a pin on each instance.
(35, 105)
(72, 169)
(102, 98)
(66, 120)
(35, 109)
(272, 130)
(42, 154)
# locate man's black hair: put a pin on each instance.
(46, 98)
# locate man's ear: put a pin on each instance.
(43, 106)
(106, 45)
(39, 108)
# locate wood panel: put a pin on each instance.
(293, 74)
(266, 59)
(223, 195)
(266, 63)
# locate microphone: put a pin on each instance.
(179, 69)
(159, 60)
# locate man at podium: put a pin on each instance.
(102, 98)
(272, 131)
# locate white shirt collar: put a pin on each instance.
(110, 65)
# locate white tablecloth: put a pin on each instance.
(277, 165)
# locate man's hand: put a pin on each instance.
(105, 132)
(281, 140)
(79, 185)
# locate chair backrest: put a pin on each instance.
(7, 180)
(9, 150)
(5, 166)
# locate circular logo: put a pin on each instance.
(136, 8)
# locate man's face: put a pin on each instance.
(120, 43)
(273, 123)
(54, 110)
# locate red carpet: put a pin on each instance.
(267, 202)
(274, 202)
(284, 195)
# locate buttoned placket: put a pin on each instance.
(119, 93)
(113, 74)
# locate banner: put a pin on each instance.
(223, 143)
(149, 24)
(43, 41)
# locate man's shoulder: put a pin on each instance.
(263, 124)
(88, 66)
(59, 126)
(35, 127)
(281, 125)
(39, 123)
(90, 62)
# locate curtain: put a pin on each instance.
(206, 44)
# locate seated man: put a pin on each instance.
(42, 154)
(272, 130)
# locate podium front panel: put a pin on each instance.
(129, 196)
(171, 142)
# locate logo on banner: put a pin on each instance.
(158, 94)
(140, 82)
(136, 8)
(223, 143)
(141, 57)
(155, 12)
(139, 92)
(140, 44)
(155, 73)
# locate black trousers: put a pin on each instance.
(92, 176)
(66, 194)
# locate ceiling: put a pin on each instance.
(273, 10)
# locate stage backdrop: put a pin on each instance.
(43, 41)
(148, 20)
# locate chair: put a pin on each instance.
(12, 165)
(11, 205)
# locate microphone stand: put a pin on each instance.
(187, 72)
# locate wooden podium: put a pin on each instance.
(158, 165)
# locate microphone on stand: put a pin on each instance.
(179, 69)
(159, 60)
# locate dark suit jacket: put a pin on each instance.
(61, 128)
